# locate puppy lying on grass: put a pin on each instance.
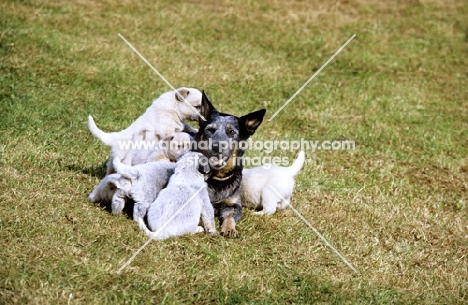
(257, 184)
(141, 182)
(146, 182)
(117, 188)
(112, 189)
(165, 116)
(177, 209)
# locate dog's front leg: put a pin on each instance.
(207, 214)
(229, 212)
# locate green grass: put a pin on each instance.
(396, 207)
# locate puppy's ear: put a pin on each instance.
(113, 183)
(181, 94)
(207, 109)
(252, 120)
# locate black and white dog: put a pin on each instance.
(219, 139)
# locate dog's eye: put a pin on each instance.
(232, 132)
(198, 107)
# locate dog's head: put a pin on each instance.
(219, 137)
(189, 102)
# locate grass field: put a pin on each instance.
(395, 207)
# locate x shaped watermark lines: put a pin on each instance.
(311, 78)
(154, 236)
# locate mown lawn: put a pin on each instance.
(395, 207)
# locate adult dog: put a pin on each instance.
(219, 139)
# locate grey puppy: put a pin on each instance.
(177, 209)
(112, 189)
(146, 181)
(142, 183)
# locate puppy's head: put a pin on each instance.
(218, 137)
(104, 191)
(176, 145)
(194, 163)
(188, 101)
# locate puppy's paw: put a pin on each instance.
(228, 228)
(264, 213)
(212, 233)
(199, 230)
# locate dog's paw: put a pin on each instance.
(228, 228)
(199, 230)
(232, 232)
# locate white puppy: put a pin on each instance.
(257, 184)
(165, 116)
(177, 209)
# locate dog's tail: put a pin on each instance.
(124, 170)
(108, 138)
(298, 163)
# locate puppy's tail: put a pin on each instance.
(106, 138)
(149, 233)
(124, 170)
(298, 163)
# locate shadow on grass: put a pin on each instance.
(127, 210)
(98, 171)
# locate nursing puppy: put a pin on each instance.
(177, 209)
(142, 183)
(145, 181)
(112, 189)
(116, 188)
(257, 184)
(164, 117)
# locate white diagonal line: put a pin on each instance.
(159, 74)
(316, 232)
(310, 79)
(158, 231)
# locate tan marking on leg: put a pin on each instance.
(228, 228)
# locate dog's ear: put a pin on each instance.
(181, 94)
(207, 109)
(252, 120)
